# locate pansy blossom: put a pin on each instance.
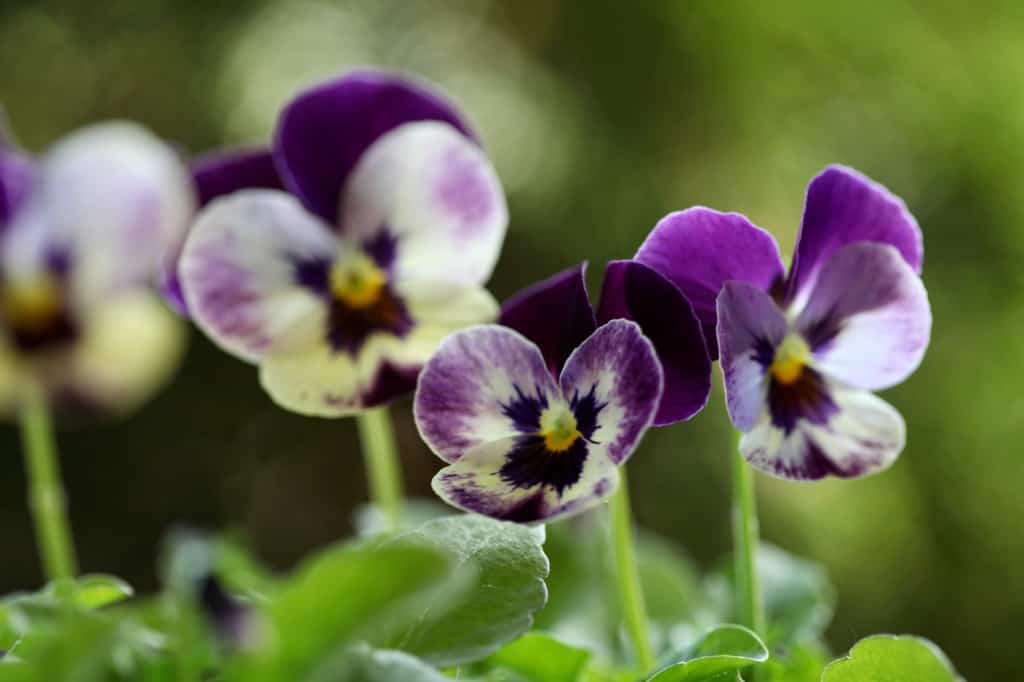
(83, 233)
(801, 353)
(339, 259)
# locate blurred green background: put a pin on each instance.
(602, 117)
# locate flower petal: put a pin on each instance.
(843, 207)
(475, 483)
(618, 368)
(118, 199)
(16, 174)
(699, 249)
(226, 171)
(239, 272)
(867, 320)
(555, 314)
(434, 195)
(864, 436)
(324, 131)
(750, 327)
(634, 291)
(481, 384)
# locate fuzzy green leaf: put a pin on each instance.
(885, 658)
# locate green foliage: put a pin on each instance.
(536, 657)
(717, 657)
(884, 658)
(97, 591)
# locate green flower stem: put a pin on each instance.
(749, 606)
(46, 496)
(382, 467)
(631, 594)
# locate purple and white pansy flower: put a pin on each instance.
(535, 416)
(339, 259)
(801, 353)
(84, 231)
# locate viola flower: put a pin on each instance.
(338, 260)
(83, 232)
(801, 354)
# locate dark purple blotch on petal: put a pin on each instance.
(585, 409)
(323, 131)
(807, 398)
(525, 410)
(555, 314)
(224, 172)
(391, 382)
(382, 248)
(636, 292)
(231, 619)
(530, 464)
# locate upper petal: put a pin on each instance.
(483, 384)
(226, 171)
(867, 320)
(750, 327)
(434, 197)
(843, 207)
(16, 174)
(634, 291)
(618, 370)
(700, 249)
(323, 131)
(239, 272)
(555, 314)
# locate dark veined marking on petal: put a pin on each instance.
(586, 408)
(525, 410)
(806, 397)
(530, 463)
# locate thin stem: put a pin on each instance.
(45, 494)
(382, 467)
(749, 607)
(630, 591)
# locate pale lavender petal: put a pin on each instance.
(16, 174)
(617, 369)
(635, 292)
(226, 171)
(700, 249)
(750, 327)
(483, 384)
(324, 131)
(843, 207)
(555, 314)
(867, 321)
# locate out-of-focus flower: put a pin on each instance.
(801, 353)
(342, 285)
(83, 233)
(522, 443)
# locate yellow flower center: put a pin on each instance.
(791, 357)
(558, 426)
(31, 304)
(357, 281)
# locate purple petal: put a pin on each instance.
(224, 172)
(555, 314)
(863, 436)
(634, 291)
(843, 207)
(323, 131)
(699, 250)
(750, 328)
(16, 174)
(867, 319)
(617, 368)
(483, 384)
(476, 483)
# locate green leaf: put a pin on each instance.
(537, 657)
(360, 663)
(96, 591)
(370, 521)
(801, 663)
(344, 593)
(717, 657)
(505, 567)
(885, 658)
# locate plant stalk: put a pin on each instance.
(749, 605)
(383, 471)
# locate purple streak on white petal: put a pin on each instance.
(17, 172)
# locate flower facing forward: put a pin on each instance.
(84, 232)
(338, 260)
(802, 353)
(522, 443)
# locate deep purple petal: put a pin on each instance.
(223, 172)
(555, 314)
(634, 291)
(483, 384)
(618, 369)
(16, 174)
(843, 207)
(867, 320)
(324, 130)
(700, 249)
(750, 328)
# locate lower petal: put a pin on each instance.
(476, 483)
(864, 436)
